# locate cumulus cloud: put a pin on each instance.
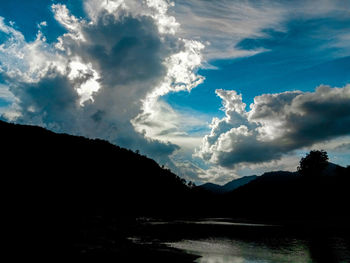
(106, 71)
(275, 125)
(22, 60)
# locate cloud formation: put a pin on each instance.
(105, 71)
(223, 24)
(275, 125)
(106, 75)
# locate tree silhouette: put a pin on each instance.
(191, 184)
(313, 163)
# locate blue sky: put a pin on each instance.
(300, 58)
(212, 89)
(28, 14)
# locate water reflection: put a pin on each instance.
(223, 250)
(223, 241)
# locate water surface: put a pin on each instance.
(222, 250)
(226, 241)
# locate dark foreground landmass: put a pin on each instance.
(68, 197)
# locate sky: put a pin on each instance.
(213, 90)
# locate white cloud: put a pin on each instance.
(157, 119)
(156, 9)
(42, 24)
(276, 125)
(162, 122)
(222, 24)
(89, 84)
(214, 174)
(25, 61)
(70, 22)
(9, 110)
(6, 94)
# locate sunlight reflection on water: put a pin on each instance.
(220, 240)
(221, 250)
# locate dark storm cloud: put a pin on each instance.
(50, 101)
(124, 51)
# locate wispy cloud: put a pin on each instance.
(223, 24)
(182, 127)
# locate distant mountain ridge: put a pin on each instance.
(228, 187)
(330, 170)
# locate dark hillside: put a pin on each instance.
(291, 196)
(63, 192)
(211, 188)
(60, 167)
(233, 185)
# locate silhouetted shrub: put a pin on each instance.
(313, 163)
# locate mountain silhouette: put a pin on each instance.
(291, 196)
(228, 187)
(282, 197)
(331, 169)
(92, 172)
(60, 173)
(63, 193)
(60, 191)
